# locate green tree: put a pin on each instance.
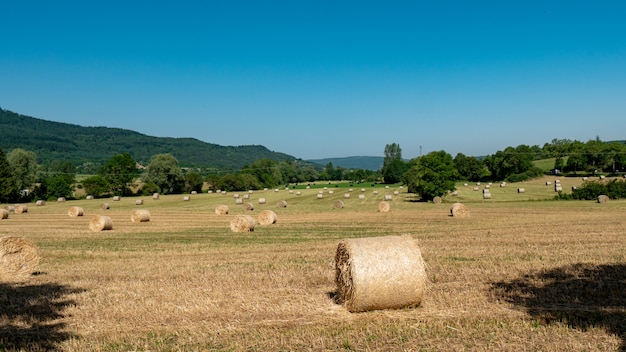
(193, 182)
(119, 172)
(469, 167)
(24, 167)
(7, 185)
(164, 172)
(53, 187)
(393, 165)
(96, 186)
(266, 171)
(432, 175)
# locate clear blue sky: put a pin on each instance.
(318, 79)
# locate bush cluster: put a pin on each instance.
(614, 189)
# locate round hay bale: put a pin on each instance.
(282, 204)
(238, 201)
(346, 195)
(139, 202)
(100, 223)
(379, 273)
(338, 204)
(90, 197)
(194, 192)
(236, 195)
(242, 223)
(41, 203)
(186, 198)
(395, 193)
(548, 183)
(266, 217)
(18, 258)
(10, 208)
(248, 206)
(156, 196)
(221, 209)
(261, 200)
(61, 199)
(4, 214)
(298, 193)
(116, 198)
(361, 196)
(105, 206)
(384, 207)
(487, 195)
(521, 190)
(75, 212)
(387, 197)
(320, 196)
(246, 196)
(140, 215)
(20, 208)
(459, 210)
(455, 193)
(558, 188)
(603, 198)
(437, 200)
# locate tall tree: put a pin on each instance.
(432, 175)
(119, 172)
(24, 166)
(164, 172)
(7, 184)
(393, 165)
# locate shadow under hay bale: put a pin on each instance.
(459, 210)
(379, 273)
(242, 223)
(100, 223)
(18, 259)
(141, 215)
(75, 212)
(266, 217)
(221, 209)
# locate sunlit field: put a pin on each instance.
(522, 273)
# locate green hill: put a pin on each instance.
(78, 144)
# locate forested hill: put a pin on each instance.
(61, 141)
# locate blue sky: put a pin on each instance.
(319, 79)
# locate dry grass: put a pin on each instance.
(514, 276)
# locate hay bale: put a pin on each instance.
(548, 183)
(140, 215)
(194, 192)
(4, 214)
(379, 273)
(239, 201)
(100, 223)
(139, 202)
(384, 207)
(248, 206)
(40, 203)
(558, 188)
(242, 223)
(603, 198)
(487, 195)
(395, 193)
(338, 204)
(261, 200)
(116, 198)
(361, 196)
(266, 217)
(89, 197)
(459, 210)
(105, 206)
(346, 195)
(18, 258)
(298, 193)
(282, 204)
(236, 195)
(75, 212)
(10, 208)
(156, 196)
(455, 193)
(387, 197)
(475, 188)
(320, 196)
(20, 208)
(437, 200)
(521, 190)
(186, 198)
(221, 209)
(61, 199)
(246, 196)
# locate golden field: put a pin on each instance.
(522, 273)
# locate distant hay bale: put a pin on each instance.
(186, 198)
(238, 201)
(384, 207)
(375, 192)
(437, 200)
(89, 197)
(298, 193)
(455, 193)
(140, 215)
(459, 210)
(548, 183)
(116, 198)
(267, 217)
(557, 181)
(236, 195)
(248, 206)
(475, 188)
(221, 209)
(361, 196)
(105, 206)
(395, 193)
(502, 184)
(602, 177)
(346, 195)
(585, 178)
(477, 183)
(155, 196)
(40, 203)
(194, 192)
(246, 196)
(362, 189)
(242, 223)
(276, 189)
(10, 208)
(262, 201)
(4, 214)
(75, 212)
(338, 204)
(487, 195)
(100, 223)
(558, 188)
(379, 273)
(282, 204)
(388, 197)
(61, 199)
(521, 190)
(139, 202)
(486, 191)
(488, 186)
(19, 258)
(465, 185)
(320, 196)
(331, 192)
(603, 198)
(20, 208)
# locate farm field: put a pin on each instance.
(521, 273)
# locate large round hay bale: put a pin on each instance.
(100, 223)
(459, 210)
(248, 206)
(18, 258)
(20, 208)
(603, 198)
(361, 196)
(242, 223)
(437, 200)
(140, 215)
(75, 212)
(105, 206)
(338, 204)
(346, 195)
(266, 217)
(384, 207)
(379, 273)
(4, 214)
(40, 203)
(221, 209)
(282, 204)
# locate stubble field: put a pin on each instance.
(519, 274)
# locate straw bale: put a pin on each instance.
(140, 215)
(361, 196)
(221, 209)
(61, 199)
(186, 198)
(75, 212)
(282, 204)
(242, 223)
(4, 214)
(194, 192)
(19, 258)
(89, 197)
(475, 188)
(383, 207)
(116, 198)
(248, 206)
(346, 195)
(338, 204)
(105, 206)
(603, 198)
(320, 196)
(521, 190)
(10, 208)
(40, 203)
(395, 193)
(155, 196)
(379, 273)
(387, 197)
(459, 210)
(238, 201)
(558, 187)
(139, 202)
(487, 195)
(100, 223)
(437, 200)
(236, 195)
(246, 196)
(20, 208)
(261, 200)
(362, 189)
(548, 183)
(266, 217)
(298, 193)
(455, 193)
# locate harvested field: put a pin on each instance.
(515, 276)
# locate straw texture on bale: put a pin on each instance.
(521, 190)
(100, 223)
(140, 215)
(437, 200)
(387, 197)
(18, 258)
(89, 197)
(186, 198)
(603, 198)
(41, 202)
(75, 212)
(221, 209)
(459, 210)
(266, 217)
(487, 195)
(338, 204)
(4, 214)
(320, 196)
(248, 206)
(116, 198)
(155, 196)
(261, 200)
(20, 208)
(139, 202)
(383, 207)
(61, 199)
(242, 223)
(282, 204)
(105, 206)
(238, 201)
(379, 273)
